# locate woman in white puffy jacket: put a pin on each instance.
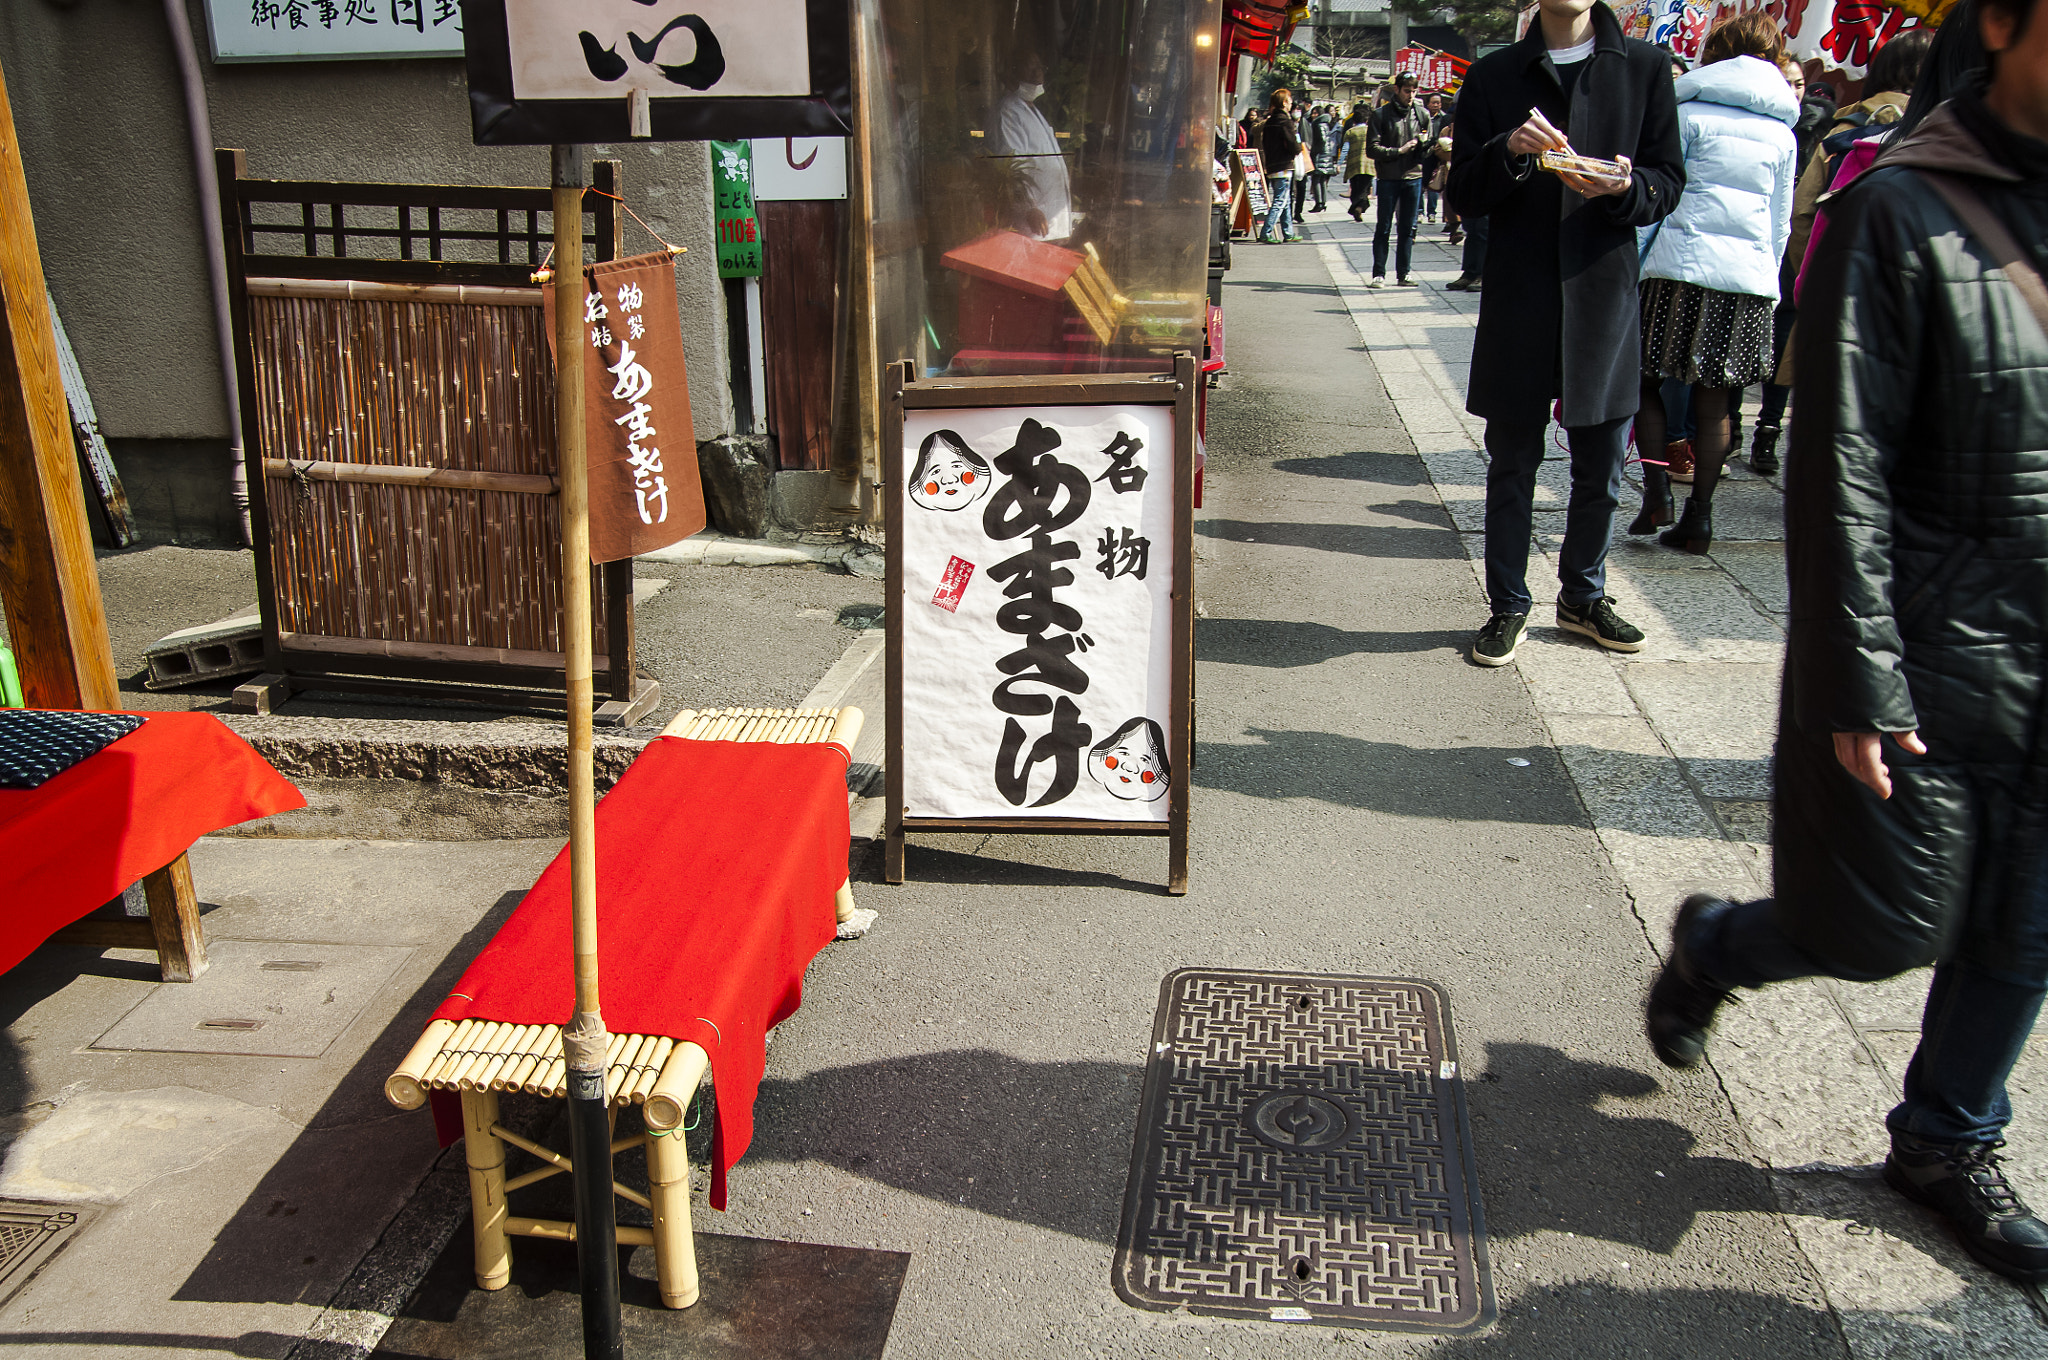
(1710, 272)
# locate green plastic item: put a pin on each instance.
(10, 680)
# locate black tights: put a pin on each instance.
(1710, 407)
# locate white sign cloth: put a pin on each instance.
(327, 30)
(788, 169)
(605, 49)
(1037, 551)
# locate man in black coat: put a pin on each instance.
(1910, 806)
(1559, 317)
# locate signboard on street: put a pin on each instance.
(576, 71)
(799, 168)
(1041, 629)
(332, 30)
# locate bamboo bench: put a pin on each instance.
(480, 1060)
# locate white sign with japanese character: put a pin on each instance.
(329, 30)
(605, 49)
(1037, 551)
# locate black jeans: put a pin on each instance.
(1514, 449)
(1399, 198)
(1361, 193)
(1320, 183)
(1771, 409)
(1300, 198)
(1473, 265)
(1976, 1021)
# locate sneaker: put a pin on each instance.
(1497, 641)
(1599, 622)
(1678, 460)
(1405, 282)
(1460, 283)
(1378, 281)
(1962, 1182)
(1457, 238)
(1297, 236)
(1680, 1008)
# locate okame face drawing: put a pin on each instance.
(1131, 762)
(949, 475)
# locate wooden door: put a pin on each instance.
(799, 279)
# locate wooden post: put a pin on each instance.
(174, 919)
(55, 620)
(487, 1210)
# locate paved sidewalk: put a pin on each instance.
(1670, 750)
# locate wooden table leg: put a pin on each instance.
(485, 1153)
(675, 1250)
(174, 917)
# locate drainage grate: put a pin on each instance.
(1303, 1156)
(30, 1234)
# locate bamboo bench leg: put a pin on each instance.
(843, 902)
(485, 1153)
(174, 919)
(675, 1250)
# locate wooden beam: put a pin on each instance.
(55, 620)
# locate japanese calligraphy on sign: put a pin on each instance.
(604, 49)
(636, 403)
(322, 30)
(1036, 612)
(738, 220)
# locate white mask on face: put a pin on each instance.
(1030, 92)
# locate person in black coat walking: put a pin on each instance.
(1911, 800)
(1559, 314)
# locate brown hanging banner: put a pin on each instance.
(636, 401)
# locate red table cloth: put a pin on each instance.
(717, 866)
(74, 843)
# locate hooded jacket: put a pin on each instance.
(1917, 554)
(1732, 223)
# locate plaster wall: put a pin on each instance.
(100, 116)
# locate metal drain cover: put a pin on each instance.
(31, 1233)
(266, 998)
(1303, 1156)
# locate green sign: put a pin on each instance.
(739, 225)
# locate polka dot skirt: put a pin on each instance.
(37, 745)
(1700, 335)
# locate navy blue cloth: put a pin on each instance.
(1399, 199)
(37, 745)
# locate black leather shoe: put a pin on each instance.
(1656, 502)
(1694, 531)
(1680, 1008)
(1763, 451)
(1963, 1183)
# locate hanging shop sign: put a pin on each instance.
(331, 30)
(1040, 624)
(580, 71)
(738, 219)
(799, 169)
(636, 400)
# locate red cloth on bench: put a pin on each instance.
(72, 844)
(717, 866)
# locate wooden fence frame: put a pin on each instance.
(499, 677)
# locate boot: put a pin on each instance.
(1695, 528)
(1656, 501)
(1680, 1008)
(1763, 452)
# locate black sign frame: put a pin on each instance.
(498, 118)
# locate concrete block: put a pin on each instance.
(211, 651)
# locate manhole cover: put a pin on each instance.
(30, 1234)
(1303, 1156)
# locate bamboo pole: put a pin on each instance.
(590, 1131)
(669, 1101)
(675, 1253)
(486, 1158)
(402, 1088)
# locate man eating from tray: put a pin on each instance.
(1558, 319)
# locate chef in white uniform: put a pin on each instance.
(1041, 197)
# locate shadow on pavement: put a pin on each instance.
(1362, 540)
(1462, 783)
(1387, 469)
(924, 864)
(1576, 1320)
(277, 1248)
(1282, 643)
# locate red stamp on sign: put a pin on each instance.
(953, 585)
